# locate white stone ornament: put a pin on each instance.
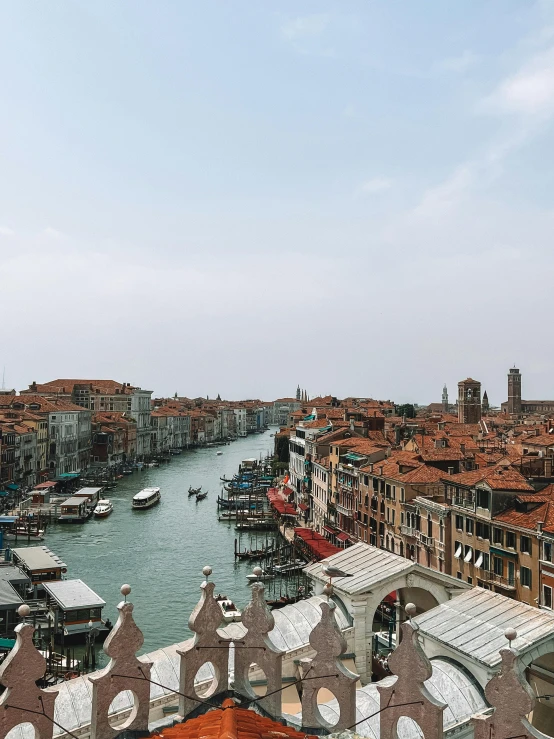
(23, 702)
(326, 670)
(125, 672)
(257, 647)
(207, 646)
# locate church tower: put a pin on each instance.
(514, 391)
(445, 399)
(485, 403)
(469, 401)
(298, 393)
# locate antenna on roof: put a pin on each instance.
(4, 377)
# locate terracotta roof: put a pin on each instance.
(543, 512)
(497, 478)
(542, 440)
(47, 405)
(106, 387)
(230, 722)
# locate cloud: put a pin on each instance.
(460, 63)
(5, 231)
(305, 26)
(529, 92)
(376, 184)
(52, 233)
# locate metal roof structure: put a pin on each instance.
(370, 566)
(293, 624)
(10, 576)
(474, 623)
(86, 491)
(74, 501)
(146, 493)
(38, 558)
(448, 684)
(71, 594)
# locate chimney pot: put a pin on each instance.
(451, 470)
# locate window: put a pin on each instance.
(402, 518)
(547, 596)
(393, 516)
(525, 577)
(498, 536)
(394, 492)
(511, 573)
(459, 575)
(402, 495)
(469, 526)
(510, 540)
(429, 525)
(469, 580)
(498, 566)
(525, 544)
(460, 523)
(483, 498)
(547, 551)
(482, 530)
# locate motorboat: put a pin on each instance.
(218, 454)
(146, 498)
(252, 578)
(228, 608)
(103, 508)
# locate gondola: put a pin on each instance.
(194, 491)
(252, 554)
(201, 496)
(241, 505)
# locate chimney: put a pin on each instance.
(451, 470)
(371, 466)
(463, 448)
(539, 526)
(381, 470)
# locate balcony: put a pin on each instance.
(499, 580)
(408, 531)
(427, 541)
(344, 511)
(439, 545)
(464, 503)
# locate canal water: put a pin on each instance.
(160, 552)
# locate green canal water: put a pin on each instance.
(160, 552)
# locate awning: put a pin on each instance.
(7, 643)
(12, 486)
(458, 552)
(303, 506)
(343, 537)
(479, 560)
(68, 476)
(469, 555)
(502, 552)
(44, 485)
(329, 530)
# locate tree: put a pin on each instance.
(407, 409)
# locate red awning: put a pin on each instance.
(303, 506)
(329, 530)
(343, 537)
(318, 545)
(43, 485)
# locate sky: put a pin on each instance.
(241, 197)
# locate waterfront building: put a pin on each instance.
(240, 421)
(124, 429)
(282, 408)
(104, 396)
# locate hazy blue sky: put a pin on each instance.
(238, 197)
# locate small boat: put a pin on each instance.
(194, 491)
(146, 498)
(218, 454)
(103, 509)
(175, 451)
(256, 578)
(201, 496)
(229, 609)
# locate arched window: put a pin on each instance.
(401, 548)
(429, 525)
(392, 545)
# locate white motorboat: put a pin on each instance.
(229, 609)
(103, 508)
(218, 454)
(146, 498)
(257, 578)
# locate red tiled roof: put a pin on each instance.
(318, 545)
(230, 722)
(497, 478)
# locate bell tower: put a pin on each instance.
(469, 401)
(445, 399)
(514, 391)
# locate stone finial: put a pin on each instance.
(325, 670)
(412, 668)
(511, 697)
(256, 647)
(208, 645)
(19, 672)
(121, 674)
(207, 571)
